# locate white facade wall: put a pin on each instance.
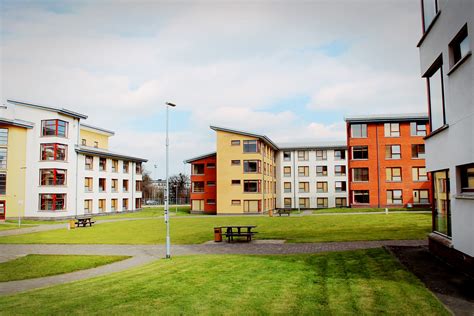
(294, 163)
(453, 146)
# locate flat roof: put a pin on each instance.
(15, 122)
(314, 145)
(200, 157)
(106, 153)
(262, 137)
(98, 129)
(50, 108)
(378, 118)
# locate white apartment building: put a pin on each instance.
(312, 175)
(68, 169)
(446, 62)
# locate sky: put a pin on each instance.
(291, 70)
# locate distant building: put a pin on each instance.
(445, 53)
(387, 161)
(203, 183)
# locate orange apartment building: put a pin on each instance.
(387, 161)
(203, 183)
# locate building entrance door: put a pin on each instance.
(3, 210)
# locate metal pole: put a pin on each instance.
(167, 219)
(176, 199)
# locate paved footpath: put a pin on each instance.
(142, 254)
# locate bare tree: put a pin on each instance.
(179, 186)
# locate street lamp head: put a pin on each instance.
(170, 104)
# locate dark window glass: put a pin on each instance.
(250, 146)
(251, 166)
(361, 196)
(54, 128)
(286, 156)
(436, 99)
(459, 47)
(251, 186)
(442, 207)
(467, 178)
(340, 154)
(361, 174)
(52, 202)
(3, 136)
(3, 184)
(418, 151)
(360, 152)
(430, 8)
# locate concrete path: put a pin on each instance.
(142, 254)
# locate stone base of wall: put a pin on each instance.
(442, 248)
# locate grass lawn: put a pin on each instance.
(30, 222)
(150, 212)
(12, 226)
(364, 210)
(189, 230)
(368, 282)
(36, 266)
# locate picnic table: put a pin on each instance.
(281, 211)
(238, 231)
(84, 221)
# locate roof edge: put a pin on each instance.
(103, 130)
(229, 130)
(50, 108)
(200, 157)
(387, 118)
(19, 123)
(93, 151)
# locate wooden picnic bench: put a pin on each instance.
(84, 221)
(281, 211)
(239, 231)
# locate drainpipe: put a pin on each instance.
(293, 175)
(263, 178)
(378, 164)
(77, 164)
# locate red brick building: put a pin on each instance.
(203, 184)
(387, 161)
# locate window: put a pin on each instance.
(211, 165)
(53, 152)
(467, 178)
(392, 129)
(138, 203)
(360, 174)
(3, 136)
(235, 162)
(252, 186)
(360, 152)
(102, 164)
(250, 146)
(52, 177)
(84, 142)
(114, 165)
(125, 166)
(198, 187)
(430, 9)
(287, 202)
(102, 185)
(421, 197)
(236, 202)
(339, 154)
(101, 205)
(322, 202)
(252, 206)
(393, 174)
(303, 171)
(287, 187)
(52, 202)
(341, 202)
(321, 171)
(198, 169)
(392, 152)
(361, 197)
(125, 205)
(339, 170)
(88, 206)
(3, 158)
(459, 46)
(303, 202)
(125, 185)
(321, 155)
(54, 128)
(417, 129)
(235, 182)
(436, 97)
(3, 184)
(359, 130)
(340, 186)
(89, 162)
(394, 197)
(287, 156)
(303, 187)
(113, 205)
(419, 174)
(235, 142)
(88, 185)
(442, 207)
(211, 183)
(321, 187)
(287, 171)
(418, 151)
(211, 201)
(251, 166)
(138, 168)
(138, 186)
(303, 155)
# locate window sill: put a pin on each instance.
(418, 158)
(428, 29)
(464, 196)
(362, 159)
(439, 130)
(459, 63)
(65, 161)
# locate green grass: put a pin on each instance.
(150, 212)
(36, 266)
(364, 210)
(368, 282)
(33, 222)
(9, 226)
(189, 230)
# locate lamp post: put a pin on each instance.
(167, 211)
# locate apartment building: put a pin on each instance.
(203, 183)
(446, 64)
(58, 167)
(312, 175)
(387, 161)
